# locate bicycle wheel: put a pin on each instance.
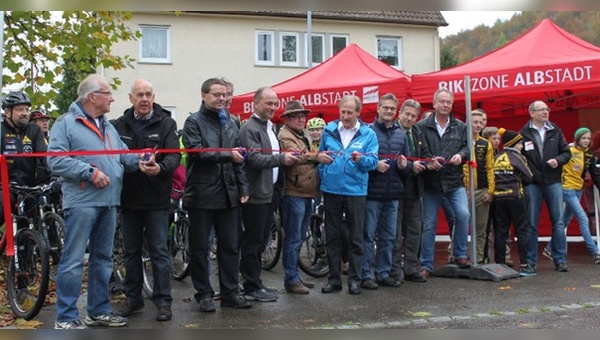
(272, 251)
(313, 260)
(179, 250)
(28, 274)
(54, 227)
(148, 272)
(119, 255)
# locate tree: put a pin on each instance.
(448, 57)
(38, 47)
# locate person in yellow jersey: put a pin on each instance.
(573, 173)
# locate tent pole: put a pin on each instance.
(309, 39)
(471, 193)
(596, 205)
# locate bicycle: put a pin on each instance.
(274, 244)
(118, 256)
(178, 239)
(28, 273)
(313, 259)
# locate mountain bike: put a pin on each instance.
(118, 256)
(178, 239)
(313, 259)
(28, 273)
(274, 243)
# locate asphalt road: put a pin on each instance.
(549, 300)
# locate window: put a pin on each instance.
(389, 50)
(289, 48)
(318, 48)
(264, 48)
(155, 44)
(338, 43)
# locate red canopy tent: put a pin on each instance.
(350, 71)
(545, 63)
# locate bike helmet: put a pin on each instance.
(15, 98)
(315, 123)
(38, 114)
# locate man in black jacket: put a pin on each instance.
(446, 144)
(546, 151)
(145, 199)
(216, 185)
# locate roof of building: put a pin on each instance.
(425, 18)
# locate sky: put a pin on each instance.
(464, 20)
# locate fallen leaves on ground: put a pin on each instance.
(504, 288)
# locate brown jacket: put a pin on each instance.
(302, 178)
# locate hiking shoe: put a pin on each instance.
(527, 270)
(389, 282)
(260, 295)
(107, 320)
(597, 259)
(297, 288)
(206, 305)
(562, 267)
(76, 324)
(237, 302)
(130, 308)
(369, 284)
(547, 253)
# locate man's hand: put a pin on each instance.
(401, 162)
(100, 180)
(324, 158)
(150, 169)
(382, 166)
(455, 160)
(487, 198)
(418, 167)
(290, 159)
(236, 155)
(244, 199)
(553, 163)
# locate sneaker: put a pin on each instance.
(237, 302)
(547, 253)
(527, 270)
(389, 282)
(77, 324)
(107, 320)
(206, 305)
(597, 259)
(369, 284)
(130, 308)
(260, 295)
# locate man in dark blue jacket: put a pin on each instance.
(385, 190)
(145, 199)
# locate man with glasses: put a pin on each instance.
(384, 194)
(546, 151)
(301, 186)
(216, 185)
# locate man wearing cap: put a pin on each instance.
(511, 173)
(546, 151)
(301, 186)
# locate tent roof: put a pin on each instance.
(546, 58)
(352, 70)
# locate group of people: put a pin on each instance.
(381, 185)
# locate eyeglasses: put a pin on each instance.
(219, 95)
(547, 109)
(388, 108)
(108, 93)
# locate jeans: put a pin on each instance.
(381, 218)
(553, 195)
(431, 202)
(572, 199)
(151, 225)
(94, 228)
(296, 215)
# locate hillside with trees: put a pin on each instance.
(467, 45)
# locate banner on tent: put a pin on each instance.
(549, 76)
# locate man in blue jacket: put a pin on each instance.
(91, 186)
(351, 150)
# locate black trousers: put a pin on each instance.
(410, 224)
(353, 208)
(225, 222)
(510, 211)
(258, 219)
